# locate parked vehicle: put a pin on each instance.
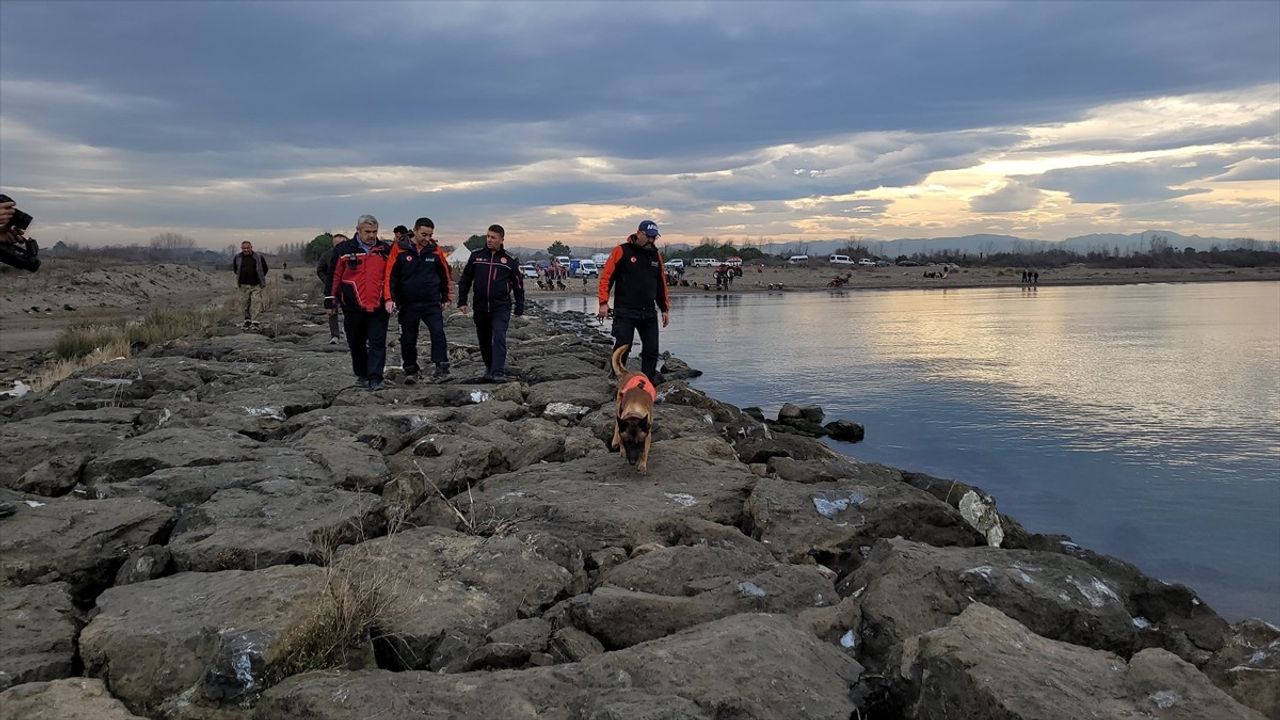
(797, 259)
(733, 261)
(702, 262)
(839, 260)
(675, 263)
(908, 263)
(583, 268)
(529, 270)
(867, 262)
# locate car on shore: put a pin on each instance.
(677, 263)
(702, 262)
(839, 260)
(867, 262)
(529, 270)
(798, 260)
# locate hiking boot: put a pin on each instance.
(441, 371)
(333, 340)
(498, 377)
(375, 385)
(411, 379)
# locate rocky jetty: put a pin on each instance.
(226, 528)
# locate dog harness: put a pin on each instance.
(638, 381)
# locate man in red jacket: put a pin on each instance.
(359, 275)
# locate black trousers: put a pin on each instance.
(333, 317)
(410, 316)
(367, 338)
(624, 330)
(491, 331)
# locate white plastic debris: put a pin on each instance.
(19, 389)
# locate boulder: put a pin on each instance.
(600, 501)
(809, 413)
(166, 448)
(450, 591)
(277, 522)
(906, 588)
(836, 523)
(747, 667)
(588, 391)
(350, 463)
(204, 639)
(760, 448)
(38, 628)
(149, 563)
(985, 665)
(45, 454)
(69, 699)
(845, 430)
(187, 486)
(977, 507)
(80, 542)
(701, 584)
(1248, 667)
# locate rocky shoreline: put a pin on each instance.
(226, 528)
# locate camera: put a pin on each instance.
(23, 252)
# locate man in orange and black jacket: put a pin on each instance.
(359, 282)
(496, 276)
(418, 285)
(635, 274)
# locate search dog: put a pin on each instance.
(633, 426)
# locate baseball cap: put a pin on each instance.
(650, 228)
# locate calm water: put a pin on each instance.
(1142, 420)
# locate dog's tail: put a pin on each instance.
(618, 368)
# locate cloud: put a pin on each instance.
(1251, 168)
(1013, 196)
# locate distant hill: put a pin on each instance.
(984, 243)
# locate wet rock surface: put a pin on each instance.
(225, 527)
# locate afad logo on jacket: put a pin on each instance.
(502, 260)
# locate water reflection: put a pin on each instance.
(1139, 419)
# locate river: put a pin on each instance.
(1141, 420)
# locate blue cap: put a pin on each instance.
(650, 228)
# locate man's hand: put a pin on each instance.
(462, 309)
(390, 305)
(666, 319)
(6, 212)
(603, 311)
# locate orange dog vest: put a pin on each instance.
(638, 381)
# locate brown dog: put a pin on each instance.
(633, 427)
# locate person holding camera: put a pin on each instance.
(251, 277)
(495, 274)
(15, 248)
(324, 270)
(418, 286)
(359, 273)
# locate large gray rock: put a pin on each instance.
(45, 455)
(986, 665)
(589, 391)
(836, 523)
(167, 448)
(38, 627)
(449, 590)
(670, 589)
(600, 501)
(80, 542)
(1248, 667)
(278, 522)
(746, 667)
(70, 699)
(387, 430)
(203, 639)
(350, 463)
(186, 486)
(906, 588)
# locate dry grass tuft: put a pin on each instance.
(487, 523)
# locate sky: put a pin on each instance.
(574, 121)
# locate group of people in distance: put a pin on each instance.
(369, 279)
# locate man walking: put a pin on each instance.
(324, 269)
(496, 275)
(251, 277)
(634, 272)
(418, 285)
(359, 277)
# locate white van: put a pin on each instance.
(702, 262)
(587, 268)
(797, 259)
(839, 260)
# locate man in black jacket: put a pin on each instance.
(496, 276)
(324, 270)
(635, 273)
(418, 284)
(251, 277)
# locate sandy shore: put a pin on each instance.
(889, 278)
